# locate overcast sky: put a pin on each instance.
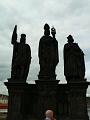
(68, 17)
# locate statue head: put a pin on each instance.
(23, 38)
(70, 39)
(46, 30)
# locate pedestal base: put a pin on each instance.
(30, 101)
(47, 96)
(16, 100)
(77, 101)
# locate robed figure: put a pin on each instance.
(21, 58)
(74, 65)
(48, 55)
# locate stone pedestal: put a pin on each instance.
(16, 100)
(77, 105)
(47, 96)
(30, 101)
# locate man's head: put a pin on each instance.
(70, 39)
(23, 38)
(49, 114)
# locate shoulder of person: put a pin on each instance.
(54, 119)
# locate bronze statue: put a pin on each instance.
(48, 55)
(74, 66)
(21, 57)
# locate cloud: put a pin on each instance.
(4, 72)
(3, 89)
(68, 17)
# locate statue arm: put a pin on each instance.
(64, 57)
(77, 50)
(57, 54)
(65, 53)
(40, 50)
(29, 54)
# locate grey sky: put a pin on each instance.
(68, 17)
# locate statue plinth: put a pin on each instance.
(16, 91)
(47, 96)
(19, 81)
(47, 82)
(68, 101)
(44, 77)
(77, 100)
(76, 80)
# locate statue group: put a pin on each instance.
(30, 101)
(74, 66)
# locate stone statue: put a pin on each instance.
(48, 55)
(74, 66)
(21, 57)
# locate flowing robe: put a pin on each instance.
(74, 65)
(48, 56)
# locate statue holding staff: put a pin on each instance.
(48, 54)
(21, 57)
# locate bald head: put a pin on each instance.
(49, 114)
